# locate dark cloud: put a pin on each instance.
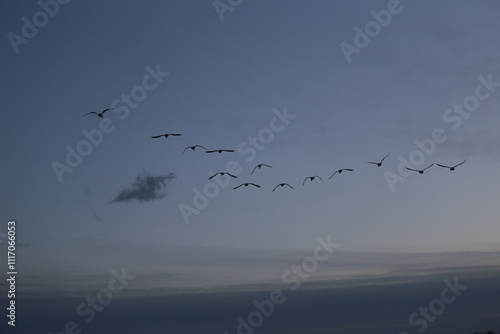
(355, 293)
(98, 218)
(374, 309)
(146, 187)
(86, 190)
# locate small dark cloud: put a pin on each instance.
(86, 190)
(98, 218)
(145, 188)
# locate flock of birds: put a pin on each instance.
(259, 166)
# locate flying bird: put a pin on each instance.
(246, 185)
(220, 151)
(421, 171)
(312, 179)
(281, 185)
(340, 171)
(193, 148)
(378, 163)
(452, 168)
(101, 114)
(167, 134)
(222, 173)
(259, 166)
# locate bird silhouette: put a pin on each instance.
(246, 184)
(222, 173)
(193, 148)
(220, 151)
(167, 134)
(421, 171)
(259, 166)
(281, 185)
(312, 179)
(452, 168)
(101, 114)
(378, 163)
(340, 171)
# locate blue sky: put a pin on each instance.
(221, 83)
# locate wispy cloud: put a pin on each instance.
(145, 188)
(86, 190)
(98, 218)
(479, 141)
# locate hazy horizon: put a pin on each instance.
(306, 87)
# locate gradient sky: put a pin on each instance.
(227, 80)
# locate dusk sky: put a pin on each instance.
(307, 87)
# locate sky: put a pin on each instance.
(307, 87)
